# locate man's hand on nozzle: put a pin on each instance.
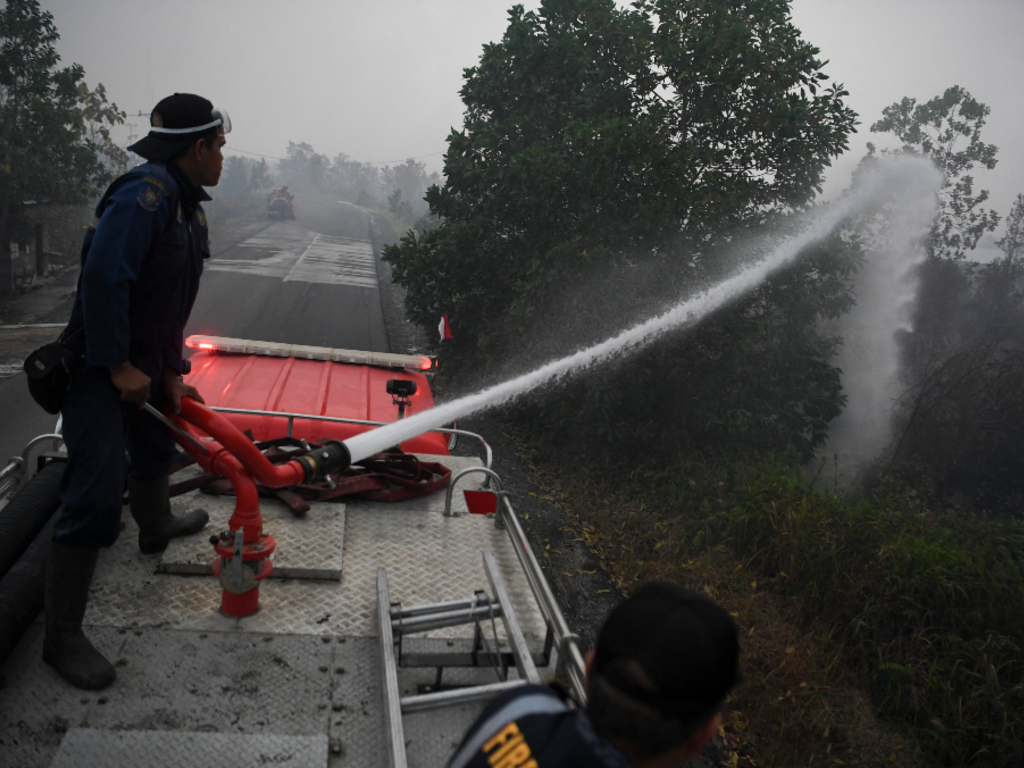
(175, 389)
(132, 383)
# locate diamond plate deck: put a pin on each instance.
(90, 747)
(429, 558)
(169, 680)
(309, 547)
(305, 668)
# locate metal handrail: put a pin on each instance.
(569, 641)
(55, 437)
(570, 655)
(467, 695)
(488, 455)
(389, 676)
(11, 475)
(19, 469)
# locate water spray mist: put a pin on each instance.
(918, 176)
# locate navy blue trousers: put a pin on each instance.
(106, 441)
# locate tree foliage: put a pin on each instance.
(963, 413)
(244, 186)
(401, 186)
(54, 131)
(629, 148)
(1012, 243)
(963, 361)
(55, 144)
(937, 129)
(244, 178)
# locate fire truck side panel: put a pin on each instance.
(316, 387)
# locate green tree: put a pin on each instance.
(1012, 243)
(99, 116)
(234, 181)
(304, 168)
(259, 177)
(635, 145)
(54, 140)
(356, 181)
(938, 129)
(412, 180)
(399, 207)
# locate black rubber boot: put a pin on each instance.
(151, 508)
(68, 575)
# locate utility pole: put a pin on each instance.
(131, 128)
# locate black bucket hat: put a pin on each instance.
(176, 122)
(672, 649)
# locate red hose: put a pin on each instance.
(234, 456)
(231, 438)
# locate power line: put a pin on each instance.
(229, 148)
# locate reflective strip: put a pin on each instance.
(216, 122)
(533, 704)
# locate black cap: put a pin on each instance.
(672, 649)
(177, 113)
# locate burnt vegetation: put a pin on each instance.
(962, 430)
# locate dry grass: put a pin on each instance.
(799, 703)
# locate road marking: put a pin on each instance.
(10, 369)
(278, 265)
(336, 261)
(327, 260)
(31, 326)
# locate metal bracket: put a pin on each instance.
(491, 475)
(237, 577)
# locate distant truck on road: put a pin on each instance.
(279, 204)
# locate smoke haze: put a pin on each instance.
(380, 82)
(908, 180)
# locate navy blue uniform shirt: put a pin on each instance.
(532, 727)
(139, 279)
(140, 272)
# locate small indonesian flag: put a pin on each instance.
(444, 328)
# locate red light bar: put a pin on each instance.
(228, 346)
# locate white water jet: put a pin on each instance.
(884, 289)
(890, 173)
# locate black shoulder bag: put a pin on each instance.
(49, 369)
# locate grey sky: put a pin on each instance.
(379, 81)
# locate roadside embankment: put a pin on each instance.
(885, 629)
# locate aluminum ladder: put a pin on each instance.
(395, 621)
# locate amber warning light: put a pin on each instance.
(223, 345)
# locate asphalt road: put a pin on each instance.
(308, 281)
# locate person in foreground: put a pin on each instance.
(140, 276)
(665, 660)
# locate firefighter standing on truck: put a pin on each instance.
(139, 280)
